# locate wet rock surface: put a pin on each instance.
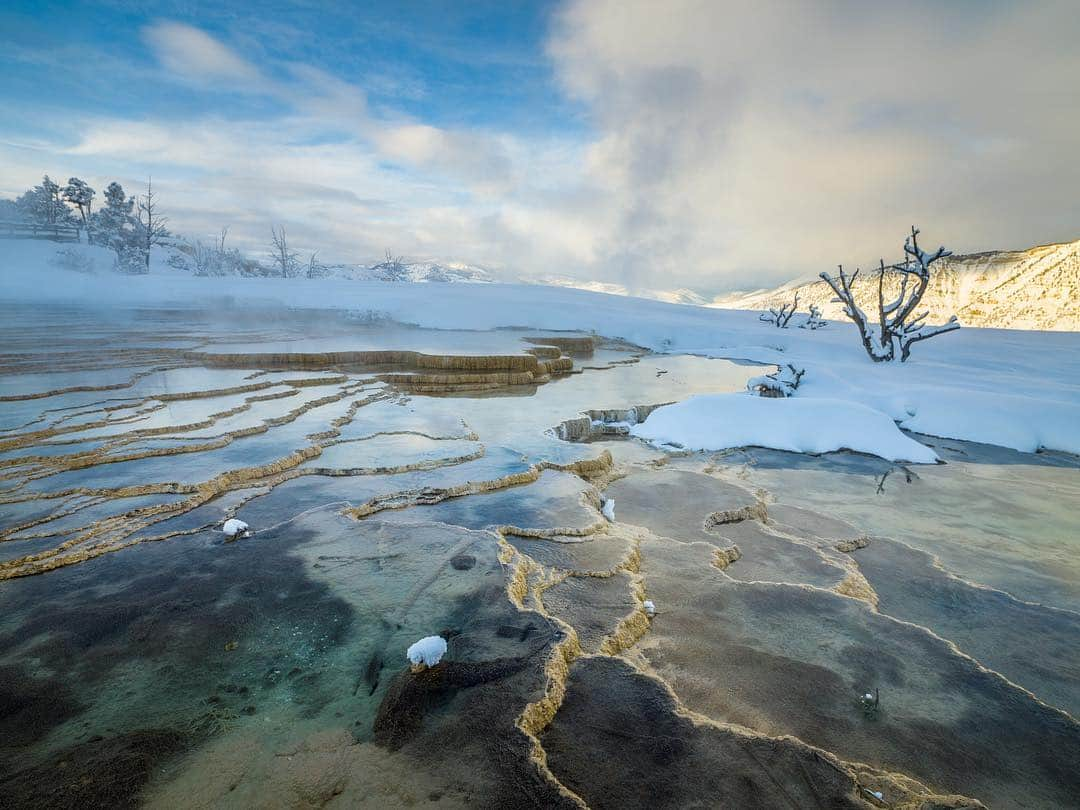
(400, 484)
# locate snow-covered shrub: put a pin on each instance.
(178, 261)
(780, 318)
(814, 319)
(131, 259)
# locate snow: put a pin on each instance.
(607, 509)
(427, 651)
(232, 527)
(720, 421)
(1013, 388)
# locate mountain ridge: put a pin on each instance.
(1037, 288)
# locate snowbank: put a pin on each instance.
(427, 651)
(1012, 388)
(720, 421)
(234, 527)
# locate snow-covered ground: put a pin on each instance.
(1012, 388)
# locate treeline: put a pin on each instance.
(132, 225)
(128, 225)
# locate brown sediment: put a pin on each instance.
(164, 488)
(633, 626)
(115, 532)
(585, 468)
(758, 511)
(35, 437)
(75, 389)
(367, 359)
(582, 344)
(847, 546)
(553, 531)
(856, 586)
(544, 352)
(429, 464)
(448, 383)
(723, 557)
(603, 424)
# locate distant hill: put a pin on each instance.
(680, 296)
(1037, 288)
(422, 272)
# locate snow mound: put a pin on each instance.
(427, 651)
(233, 527)
(720, 421)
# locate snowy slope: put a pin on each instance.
(422, 272)
(1024, 289)
(1018, 389)
(680, 296)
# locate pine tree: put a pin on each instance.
(79, 194)
(113, 226)
(43, 204)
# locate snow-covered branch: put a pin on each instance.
(896, 330)
(781, 383)
(814, 319)
(782, 316)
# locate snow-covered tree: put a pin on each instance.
(151, 228)
(780, 317)
(79, 194)
(11, 212)
(284, 259)
(898, 327)
(44, 205)
(114, 226)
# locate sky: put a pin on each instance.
(691, 143)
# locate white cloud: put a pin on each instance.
(745, 143)
(190, 53)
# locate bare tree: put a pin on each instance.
(896, 329)
(782, 316)
(313, 267)
(814, 319)
(283, 258)
(152, 224)
(393, 268)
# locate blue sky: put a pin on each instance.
(692, 143)
(449, 63)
